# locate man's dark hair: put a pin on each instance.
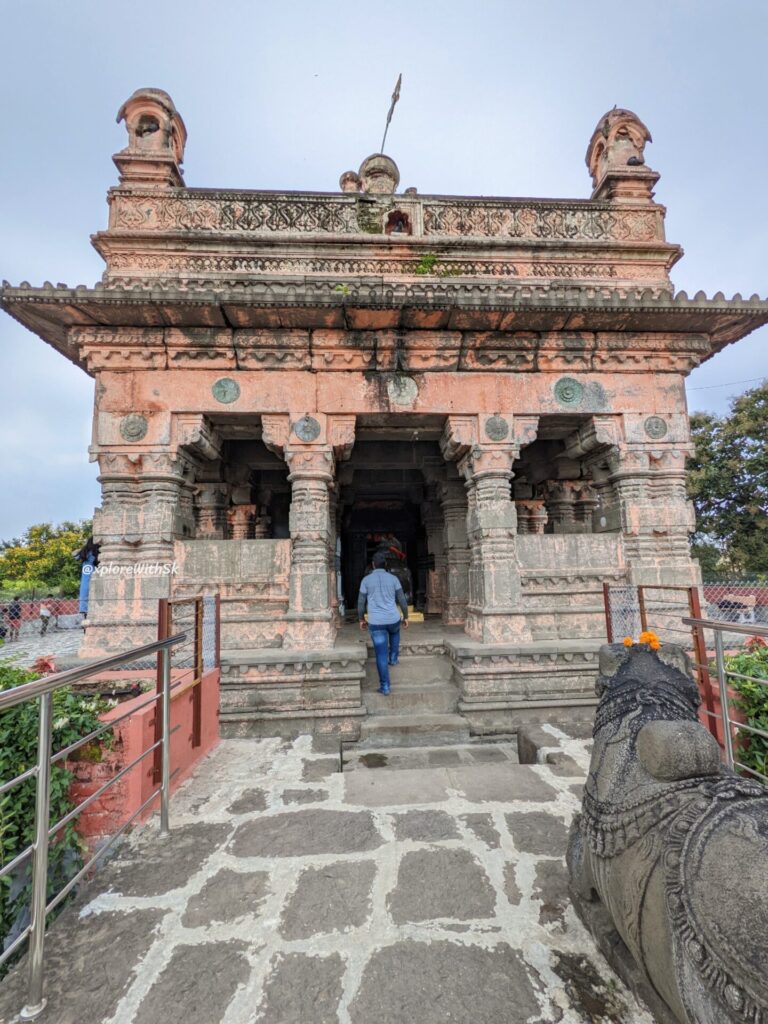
(379, 560)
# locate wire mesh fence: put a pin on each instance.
(720, 625)
(24, 618)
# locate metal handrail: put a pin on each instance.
(718, 627)
(44, 689)
(728, 627)
(26, 691)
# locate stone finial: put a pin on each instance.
(350, 182)
(616, 159)
(379, 174)
(156, 140)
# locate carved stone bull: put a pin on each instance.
(670, 850)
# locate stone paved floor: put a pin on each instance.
(292, 894)
(30, 646)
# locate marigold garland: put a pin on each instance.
(647, 637)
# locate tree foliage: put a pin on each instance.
(42, 559)
(728, 483)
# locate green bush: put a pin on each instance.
(752, 702)
(73, 717)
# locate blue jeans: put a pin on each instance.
(386, 647)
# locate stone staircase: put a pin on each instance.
(421, 710)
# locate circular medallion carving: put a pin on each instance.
(133, 427)
(496, 428)
(307, 429)
(402, 390)
(569, 391)
(655, 427)
(226, 390)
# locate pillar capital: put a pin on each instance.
(283, 432)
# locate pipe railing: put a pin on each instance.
(729, 725)
(43, 831)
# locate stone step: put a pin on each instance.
(426, 669)
(357, 758)
(413, 730)
(409, 698)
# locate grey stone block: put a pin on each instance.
(328, 899)
(302, 990)
(500, 783)
(444, 981)
(483, 828)
(440, 883)
(301, 833)
(248, 802)
(88, 969)
(226, 897)
(196, 986)
(165, 866)
(425, 826)
(539, 833)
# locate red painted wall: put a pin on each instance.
(133, 735)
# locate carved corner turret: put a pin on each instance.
(616, 158)
(156, 140)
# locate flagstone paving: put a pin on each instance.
(289, 893)
(31, 645)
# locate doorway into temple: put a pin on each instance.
(383, 489)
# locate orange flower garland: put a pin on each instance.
(646, 637)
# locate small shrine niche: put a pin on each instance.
(398, 223)
(156, 140)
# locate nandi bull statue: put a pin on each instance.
(670, 850)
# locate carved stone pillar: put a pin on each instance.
(453, 502)
(486, 448)
(241, 520)
(532, 515)
(561, 505)
(655, 514)
(211, 510)
(146, 505)
(586, 503)
(432, 518)
(310, 445)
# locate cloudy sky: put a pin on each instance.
(499, 98)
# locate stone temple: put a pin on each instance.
(282, 379)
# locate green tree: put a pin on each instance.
(728, 483)
(42, 558)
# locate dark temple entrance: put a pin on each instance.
(383, 489)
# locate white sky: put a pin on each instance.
(498, 98)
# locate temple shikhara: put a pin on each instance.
(492, 389)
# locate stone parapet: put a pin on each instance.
(289, 692)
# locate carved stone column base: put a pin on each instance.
(497, 626)
(310, 632)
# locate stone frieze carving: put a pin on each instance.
(258, 213)
(541, 221)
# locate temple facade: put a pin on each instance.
(284, 381)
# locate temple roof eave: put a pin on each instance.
(379, 304)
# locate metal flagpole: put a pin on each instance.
(395, 98)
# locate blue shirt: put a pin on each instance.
(383, 594)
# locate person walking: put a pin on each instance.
(14, 618)
(382, 594)
(45, 614)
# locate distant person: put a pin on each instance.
(3, 627)
(45, 614)
(14, 618)
(382, 594)
(88, 556)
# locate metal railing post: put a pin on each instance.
(165, 774)
(720, 661)
(35, 1001)
(608, 617)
